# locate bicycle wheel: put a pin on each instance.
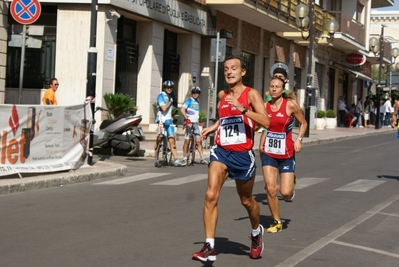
(191, 150)
(161, 154)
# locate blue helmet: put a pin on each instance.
(168, 83)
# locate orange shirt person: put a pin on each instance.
(49, 96)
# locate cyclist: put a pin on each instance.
(190, 111)
(164, 116)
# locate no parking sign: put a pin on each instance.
(25, 11)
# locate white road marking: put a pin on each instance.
(132, 179)
(184, 180)
(306, 182)
(366, 248)
(388, 214)
(322, 242)
(360, 185)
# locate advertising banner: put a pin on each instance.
(37, 138)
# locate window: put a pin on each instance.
(39, 63)
(249, 77)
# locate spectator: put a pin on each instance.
(388, 112)
(366, 111)
(359, 113)
(49, 96)
(342, 111)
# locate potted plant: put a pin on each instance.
(331, 120)
(201, 118)
(320, 121)
(118, 103)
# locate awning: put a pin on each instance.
(359, 75)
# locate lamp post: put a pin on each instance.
(394, 54)
(377, 46)
(305, 22)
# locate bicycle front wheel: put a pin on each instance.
(161, 153)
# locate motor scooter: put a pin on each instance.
(121, 134)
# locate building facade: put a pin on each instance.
(141, 43)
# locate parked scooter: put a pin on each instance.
(121, 134)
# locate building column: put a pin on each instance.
(150, 37)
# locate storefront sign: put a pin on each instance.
(35, 138)
(355, 59)
(172, 12)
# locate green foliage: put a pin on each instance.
(202, 116)
(175, 113)
(320, 114)
(118, 103)
(331, 114)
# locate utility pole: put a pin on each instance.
(92, 74)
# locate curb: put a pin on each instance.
(100, 169)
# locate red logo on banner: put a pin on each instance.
(25, 11)
(355, 59)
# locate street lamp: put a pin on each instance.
(305, 22)
(377, 46)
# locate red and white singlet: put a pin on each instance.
(278, 142)
(236, 131)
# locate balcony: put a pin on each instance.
(382, 3)
(351, 35)
(271, 15)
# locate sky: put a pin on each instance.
(394, 7)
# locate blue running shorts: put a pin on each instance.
(240, 165)
(283, 165)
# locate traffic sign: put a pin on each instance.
(25, 11)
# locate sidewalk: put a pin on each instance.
(12, 183)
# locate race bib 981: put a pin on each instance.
(275, 143)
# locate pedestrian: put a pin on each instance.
(382, 114)
(190, 112)
(278, 148)
(352, 114)
(164, 119)
(366, 114)
(342, 111)
(359, 113)
(49, 96)
(240, 108)
(372, 113)
(388, 112)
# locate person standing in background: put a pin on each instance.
(49, 96)
(388, 112)
(359, 113)
(190, 112)
(366, 111)
(342, 111)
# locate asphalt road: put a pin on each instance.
(345, 213)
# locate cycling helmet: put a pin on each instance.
(167, 83)
(196, 90)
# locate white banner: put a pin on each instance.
(37, 138)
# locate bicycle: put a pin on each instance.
(163, 155)
(192, 145)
